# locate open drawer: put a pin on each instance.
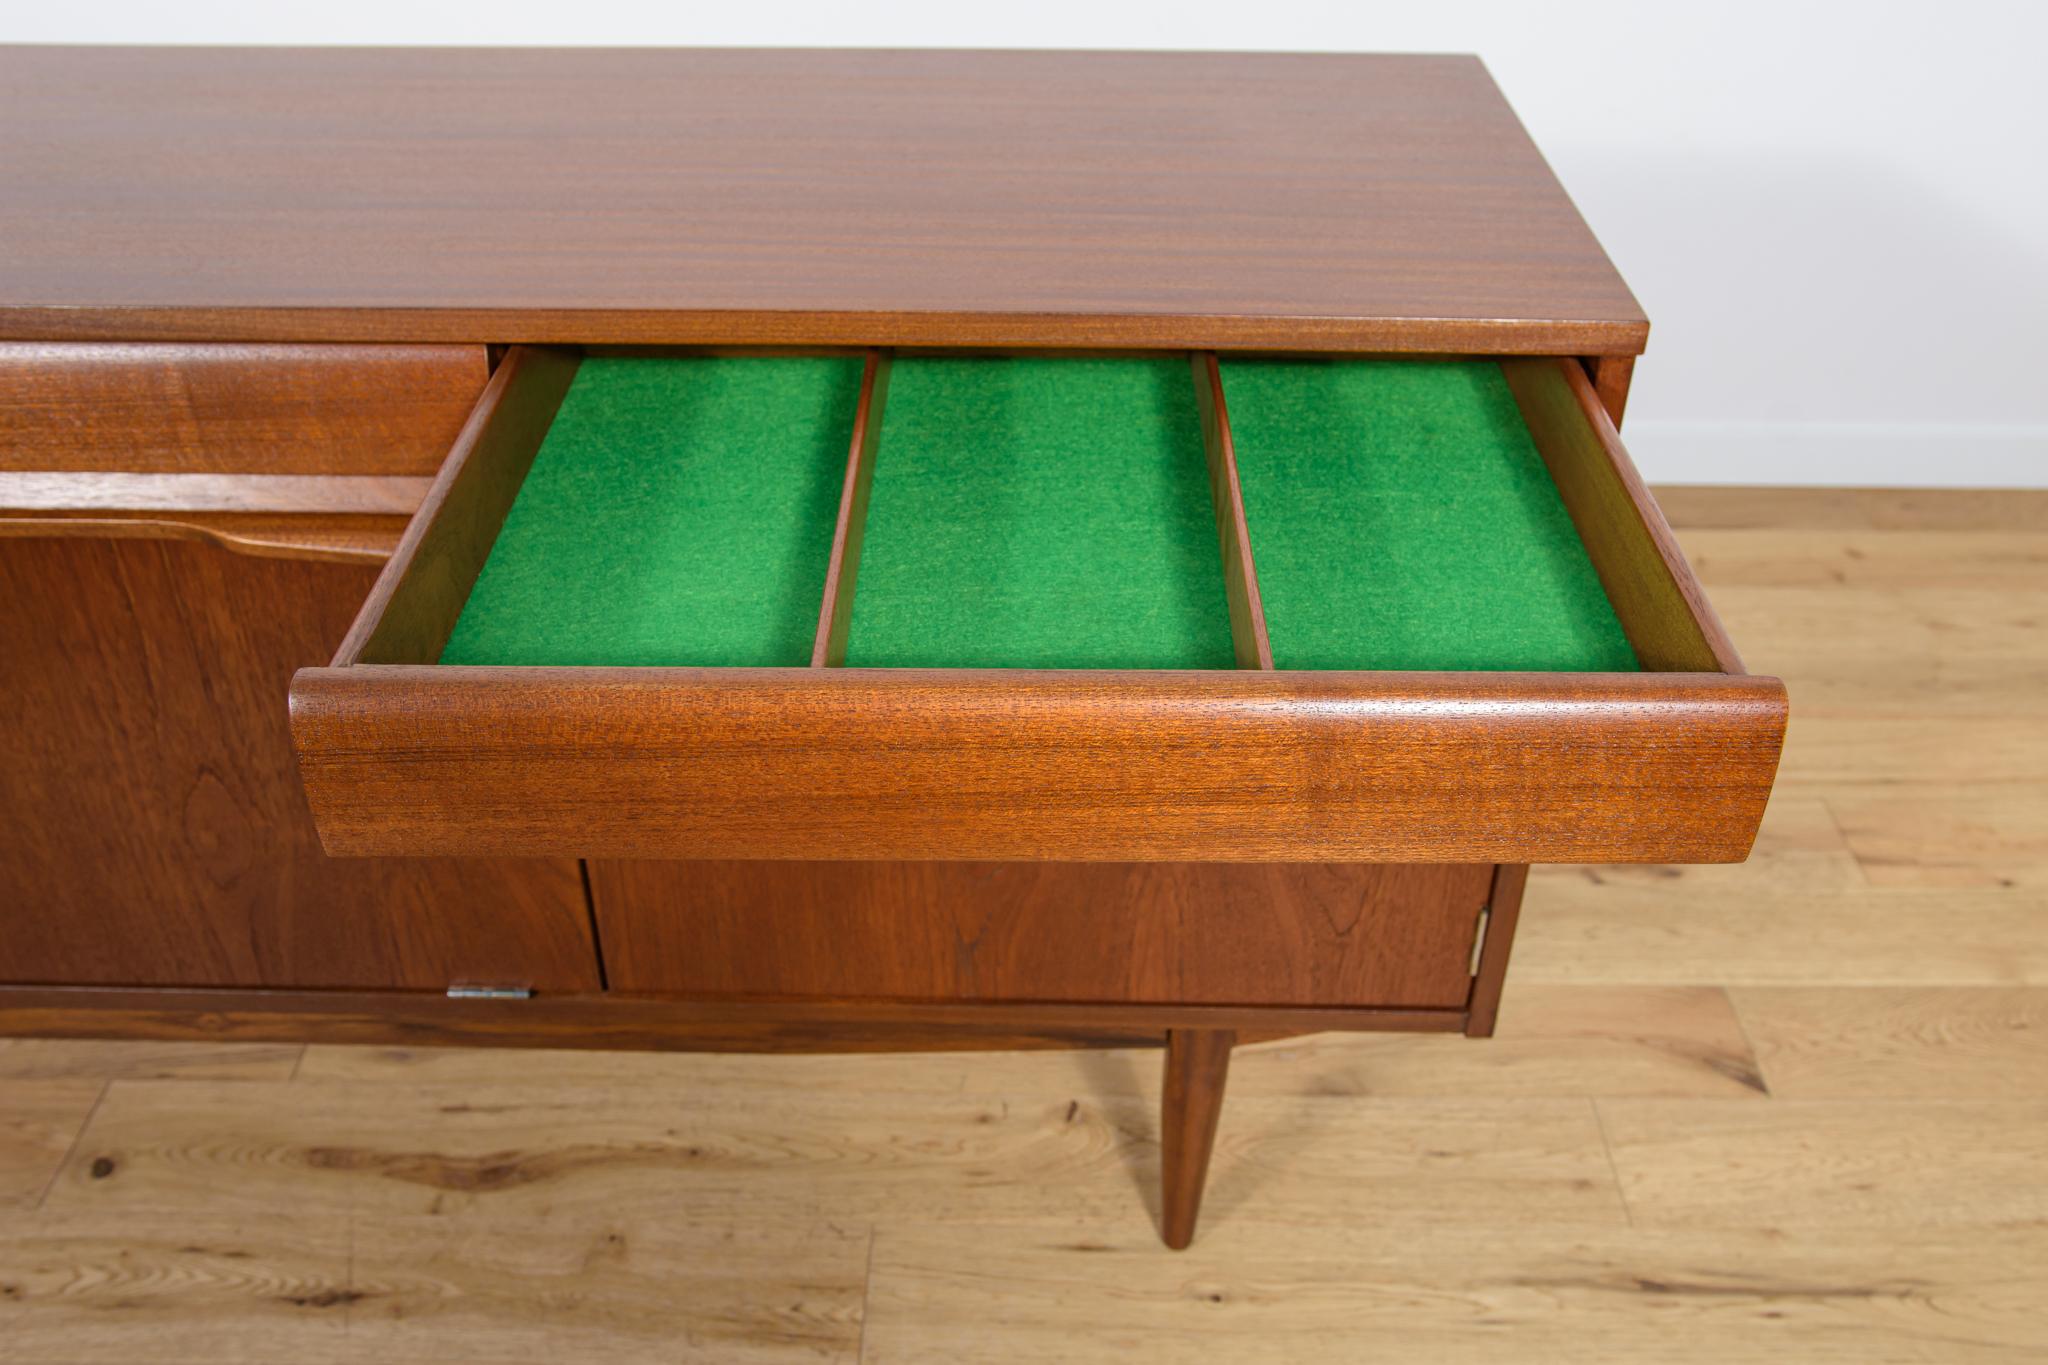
(966, 606)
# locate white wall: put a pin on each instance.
(1835, 212)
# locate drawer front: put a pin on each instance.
(168, 408)
(1489, 722)
(1335, 935)
(296, 450)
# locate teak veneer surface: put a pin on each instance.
(1194, 933)
(616, 1020)
(1194, 200)
(155, 833)
(1231, 765)
(137, 409)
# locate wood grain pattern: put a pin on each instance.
(93, 1286)
(228, 407)
(1373, 1198)
(1891, 1043)
(1671, 1042)
(1612, 375)
(1662, 608)
(1197, 1065)
(155, 830)
(1061, 1156)
(53, 1059)
(1842, 1165)
(857, 763)
(1503, 913)
(412, 610)
(1655, 1041)
(1610, 932)
(1973, 837)
(1912, 512)
(39, 1120)
(313, 537)
(842, 572)
(87, 494)
(1254, 648)
(715, 1290)
(132, 1284)
(1188, 201)
(1159, 765)
(1521, 1287)
(619, 1021)
(1164, 933)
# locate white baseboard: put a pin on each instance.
(1841, 454)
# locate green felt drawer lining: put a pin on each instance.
(1038, 512)
(1401, 518)
(679, 511)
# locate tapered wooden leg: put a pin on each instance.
(1503, 909)
(1197, 1062)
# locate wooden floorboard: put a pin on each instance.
(1788, 1111)
(1522, 1294)
(1935, 1043)
(39, 1122)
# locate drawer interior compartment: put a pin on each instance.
(677, 512)
(1401, 518)
(1040, 513)
(970, 511)
(1035, 622)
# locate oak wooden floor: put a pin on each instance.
(1795, 1110)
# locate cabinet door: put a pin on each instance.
(152, 830)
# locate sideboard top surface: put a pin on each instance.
(786, 197)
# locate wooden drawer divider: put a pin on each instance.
(1240, 573)
(1250, 644)
(835, 612)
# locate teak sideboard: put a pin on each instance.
(818, 550)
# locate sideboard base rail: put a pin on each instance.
(648, 1023)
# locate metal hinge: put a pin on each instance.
(489, 993)
(1479, 939)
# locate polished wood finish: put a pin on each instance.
(1503, 913)
(823, 763)
(319, 537)
(614, 1021)
(1190, 933)
(1612, 375)
(223, 408)
(912, 763)
(102, 492)
(1197, 1065)
(1818, 1140)
(156, 833)
(1185, 200)
(345, 518)
(409, 615)
(1662, 608)
(1253, 647)
(1168, 837)
(842, 571)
